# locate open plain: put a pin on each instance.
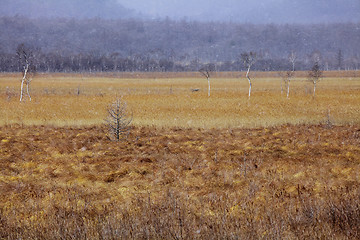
(167, 100)
(192, 167)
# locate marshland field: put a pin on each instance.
(192, 167)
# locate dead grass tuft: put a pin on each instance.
(290, 181)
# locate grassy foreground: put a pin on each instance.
(193, 167)
(292, 182)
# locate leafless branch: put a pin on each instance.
(118, 120)
(249, 59)
(25, 57)
(314, 75)
(206, 72)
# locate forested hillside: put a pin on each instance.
(78, 9)
(254, 11)
(167, 45)
(240, 11)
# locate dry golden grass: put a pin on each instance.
(169, 102)
(193, 167)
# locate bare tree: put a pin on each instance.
(315, 56)
(314, 75)
(118, 120)
(292, 58)
(206, 71)
(249, 59)
(286, 78)
(340, 59)
(25, 58)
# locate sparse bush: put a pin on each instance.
(9, 93)
(118, 120)
(329, 121)
(314, 75)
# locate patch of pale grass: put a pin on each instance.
(63, 100)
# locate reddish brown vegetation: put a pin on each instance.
(282, 182)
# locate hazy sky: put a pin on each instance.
(256, 11)
(253, 11)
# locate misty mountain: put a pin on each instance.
(252, 11)
(79, 9)
(168, 45)
(240, 11)
(104, 35)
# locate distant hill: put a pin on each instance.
(79, 9)
(239, 11)
(252, 11)
(145, 44)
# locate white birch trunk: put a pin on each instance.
(314, 88)
(27, 88)
(22, 82)
(21, 89)
(248, 77)
(288, 88)
(209, 86)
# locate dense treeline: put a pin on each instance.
(165, 45)
(79, 9)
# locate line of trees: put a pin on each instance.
(69, 45)
(56, 62)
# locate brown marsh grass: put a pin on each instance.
(193, 167)
(292, 182)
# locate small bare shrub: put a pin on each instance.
(9, 93)
(329, 121)
(118, 120)
(314, 75)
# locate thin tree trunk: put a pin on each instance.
(209, 86)
(118, 125)
(314, 88)
(249, 89)
(22, 82)
(27, 89)
(21, 89)
(248, 77)
(288, 88)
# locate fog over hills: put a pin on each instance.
(254, 11)
(241, 11)
(174, 35)
(78, 9)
